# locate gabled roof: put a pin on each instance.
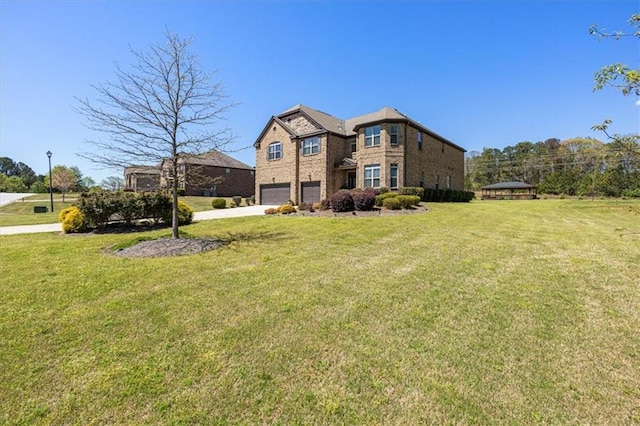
(349, 127)
(215, 159)
(509, 185)
(149, 170)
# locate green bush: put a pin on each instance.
(391, 203)
(286, 209)
(248, 201)
(303, 206)
(408, 201)
(238, 200)
(232, 204)
(218, 203)
(74, 221)
(185, 214)
(325, 204)
(383, 190)
(632, 193)
(412, 190)
(380, 198)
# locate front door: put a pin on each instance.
(351, 180)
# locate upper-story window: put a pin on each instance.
(372, 176)
(275, 151)
(420, 140)
(311, 146)
(354, 146)
(393, 132)
(372, 136)
(448, 182)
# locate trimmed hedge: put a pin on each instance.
(448, 195)
(407, 201)
(363, 199)
(342, 201)
(412, 190)
(380, 198)
(218, 203)
(391, 203)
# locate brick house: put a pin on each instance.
(212, 174)
(305, 155)
(141, 178)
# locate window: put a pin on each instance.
(393, 176)
(372, 136)
(311, 146)
(394, 134)
(372, 176)
(442, 149)
(420, 141)
(275, 151)
(227, 171)
(448, 182)
(354, 146)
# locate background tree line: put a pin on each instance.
(577, 166)
(19, 177)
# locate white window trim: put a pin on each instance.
(372, 168)
(271, 154)
(374, 138)
(311, 146)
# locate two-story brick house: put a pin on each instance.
(306, 155)
(212, 174)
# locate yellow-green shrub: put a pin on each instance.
(185, 214)
(286, 209)
(73, 221)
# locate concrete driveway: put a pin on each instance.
(197, 216)
(10, 197)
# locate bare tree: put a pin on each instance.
(165, 107)
(112, 183)
(63, 179)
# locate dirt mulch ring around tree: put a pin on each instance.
(166, 247)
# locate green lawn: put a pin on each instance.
(483, 313)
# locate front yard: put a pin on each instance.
(489, 312)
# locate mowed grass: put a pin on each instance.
(21, 212)
(482, 313)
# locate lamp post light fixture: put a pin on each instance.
(50, 181)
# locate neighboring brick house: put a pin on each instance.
(141, 178)
(212, 174)
(305, 155)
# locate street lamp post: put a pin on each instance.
(50, 181)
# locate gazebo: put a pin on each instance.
(509, 191)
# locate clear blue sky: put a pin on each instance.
(481, 73)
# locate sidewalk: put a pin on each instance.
(197, 216)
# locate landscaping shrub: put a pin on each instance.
(317, 206)
(380, 198)
(248, 201)
(232, 204)
(363, 199)
(632, 193)
(154, 205)
(74, 221)
(342, 201)
(408, 201)
(237, 199)
(98, 207)
(185, 214)
(218, 203)
(129, 205)
(448, 195)
(63, 213)
(271, 210)
(325, 204)
(303, 206)
(286, 209)
(383, 190)
(391, 203)
(412, 190)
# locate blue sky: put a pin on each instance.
(481, 73)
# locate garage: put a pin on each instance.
(310, 192)
(277, 193)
